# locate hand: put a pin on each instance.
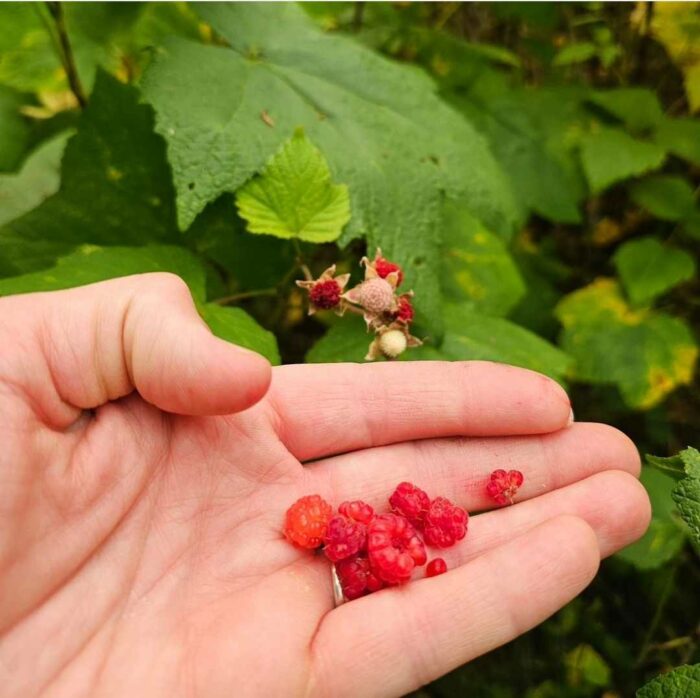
(140, 545)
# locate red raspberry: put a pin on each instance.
(436, 567)
(405, 313)
(344, 537)
(410, 501)
(445, 523)
(384, 267)
(357, 577)
(306, 521)
(325, 294)
(502, 486)
(352, 573)
(357, 510)
(394, 548)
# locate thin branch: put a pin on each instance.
(225, 300)
(358, 16)
(66, 53)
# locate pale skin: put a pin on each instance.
(140, 544)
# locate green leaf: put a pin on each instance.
(665, 536)
(344, 341)
(469, 335)
(610, 155)
(645, 353)
(680, 137)
(584, 666)
(668, 197)
(648, 269)
(115, 187)
(235, 325)
(672, 465)
(294, 196)
(686, 495)
(90, 264)
(14, 129)
(476, 265)
(38, 179)
(683, 682)
(691, 461)
(577, 52)
(533, 131)
(637, 108)
(382, 128)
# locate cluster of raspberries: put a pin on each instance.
(387, 313)
(373, 550)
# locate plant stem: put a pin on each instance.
(225, 300)
(358, 16)
(66, 53)
(658, 614)
(300, 260)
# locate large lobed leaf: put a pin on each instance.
(225, 110)
(646, 354)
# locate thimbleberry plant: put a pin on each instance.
(386, 314)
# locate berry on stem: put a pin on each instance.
(405, 312)
(394, 548)
(503, 486)
(445, 523)
(436, 567)
(410, 501)
(325, 293)
(306, 521)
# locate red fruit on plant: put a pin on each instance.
(325, 294)
(384, 267)
(394, 548)
(374, 295)
(344, 537)
(436, 567)
(444, 523)
(405, 313)
(357, 510)
(410, 501)
(306, 521)
(503, 486)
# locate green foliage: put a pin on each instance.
(646, 354)
(648, 268)
(476, 265)
(293, 197)
(679, 683)
(610, 155)
(537, 182)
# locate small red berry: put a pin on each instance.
(306, 521)
(357, 510)
(445, 523)
(352, 573)
(436, 567)
(410, 501)
(344, 537)
(384, 267)
(503, 486)
(405, 313)
(394, 548)
(325, 294)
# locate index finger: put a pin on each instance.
(326, 409)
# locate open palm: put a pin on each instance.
(140, 545)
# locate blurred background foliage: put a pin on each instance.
(533, 167)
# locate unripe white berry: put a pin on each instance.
(392, 343)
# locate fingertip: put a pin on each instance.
(577, 543)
